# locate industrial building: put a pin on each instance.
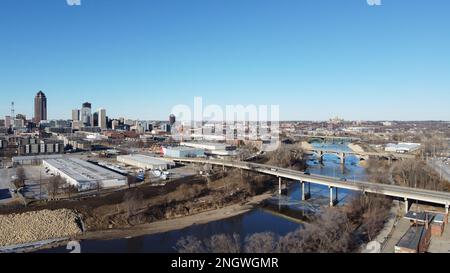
(84, 175)
(402, 147)
(3, 144)
(424, 225)
(182, 152)
(146, 162)
(35, 146)
(416, 240)
(34, 159)
(211, 148)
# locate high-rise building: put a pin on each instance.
(115, 124)
(102, 120)
(95, 119)
(75, 114)
(172, 119)
(86, 114)
(8, 121)
(40, 107)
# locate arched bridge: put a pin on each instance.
(405, 193)
(362, 155)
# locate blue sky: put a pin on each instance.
(314, 58)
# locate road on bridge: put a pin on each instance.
(406, 193)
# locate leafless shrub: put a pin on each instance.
(190, 244)
(330, 233)
(288, 156)
(261, 243)
(223, 243)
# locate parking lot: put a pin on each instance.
(35, 185)
(6, 185)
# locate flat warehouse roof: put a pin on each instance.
(148, 160)
(80, 170)
(35, 157)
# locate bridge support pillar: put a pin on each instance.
(305, 195)
(279, 185)
(446, 208)
(406, 206)
(342, 155)
(331, 197)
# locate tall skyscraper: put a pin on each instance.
(86, 114)
(95, 119)
(8, 121)
(172, 119)
(102, 121)
(40, 107)
(75, 115)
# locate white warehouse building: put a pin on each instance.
(146, 162)
(211, 148)
(402, 147)
(182, 151)
(84, 175)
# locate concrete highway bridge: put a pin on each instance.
(361, 155)
(404, 193)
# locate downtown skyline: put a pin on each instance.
(314, 62)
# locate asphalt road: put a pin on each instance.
(436, 197)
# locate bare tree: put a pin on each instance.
(330, 233)
(288, 156)
(20, 180)
(71, 189)
(261, 243)
(224, 243)
(190, 244)
(54, 184)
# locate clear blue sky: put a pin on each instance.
(314, 58)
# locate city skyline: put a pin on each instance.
(312, 61)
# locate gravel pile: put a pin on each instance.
(37, 226)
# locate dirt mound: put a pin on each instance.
(37, 226)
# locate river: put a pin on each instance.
(257, 220)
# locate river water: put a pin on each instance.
(255, 221)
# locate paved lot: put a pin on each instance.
(33, 188)
(5, 177)
(441, 244)
(5, 184)
(400, 229)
